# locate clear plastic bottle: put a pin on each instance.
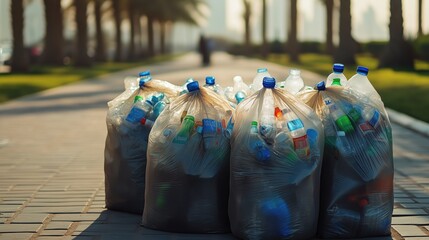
(294, 83)
(267, 119)
(361, 83)
(337, 72)
(258, 79)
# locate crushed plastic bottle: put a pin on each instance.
(337, 72)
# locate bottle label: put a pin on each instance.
(301, 146)
(366, 128)
(354, 115)
(295, 124)
(135, 115)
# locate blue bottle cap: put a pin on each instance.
(262, 70)
(269, 82)
(362, 70)
(338, 68)
(210, 80)
(193, 86)
(144, 74)
(144, 80)
(321, 86)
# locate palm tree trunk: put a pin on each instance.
(118, 35)
(53, 52)
(82, 59)
(132, 20)
(420, 20)
(264, 30)
(293, 47)
(100, 49)
(138, 34)
(398, 53)
(19, 55)
(162, 36)
(347, 48)
(150, 35)
(247, 14)
(329, 26)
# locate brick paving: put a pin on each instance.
(51, 160)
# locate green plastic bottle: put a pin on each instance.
(185, 131)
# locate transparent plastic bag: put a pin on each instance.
(276, 155)
(126, 144)
(188, 165)
(357, 177)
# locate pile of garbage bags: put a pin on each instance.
(268, 160)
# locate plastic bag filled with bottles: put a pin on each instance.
(188, 165)
(129, 120)
(276, 155)
(357, 176)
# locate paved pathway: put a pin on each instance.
(51, 160)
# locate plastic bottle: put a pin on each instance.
(344, 146)
(258, 79)
(157, 109)
(192, 164)
(342, 121)
(337, 72)
(241, 90)
(139, 110)
(294, 83)
(184, 86)
(283, 143)
(144, 77)
(210, 83)
(185, 131)
(361, 83)
(276, 211)
(257, 146)
(298, 133)
(267, 124)
(209, 133)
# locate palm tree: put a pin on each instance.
(246, 16)
(81, 59)
(292, 43)
(347, 48)
(398, 52)
(19, 56)
(329, 4)
(53, 52)
(264, 30)
(420, 20)
(116, 5)
(100, 49)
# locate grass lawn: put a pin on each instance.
(403, 90)
(45, 77)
